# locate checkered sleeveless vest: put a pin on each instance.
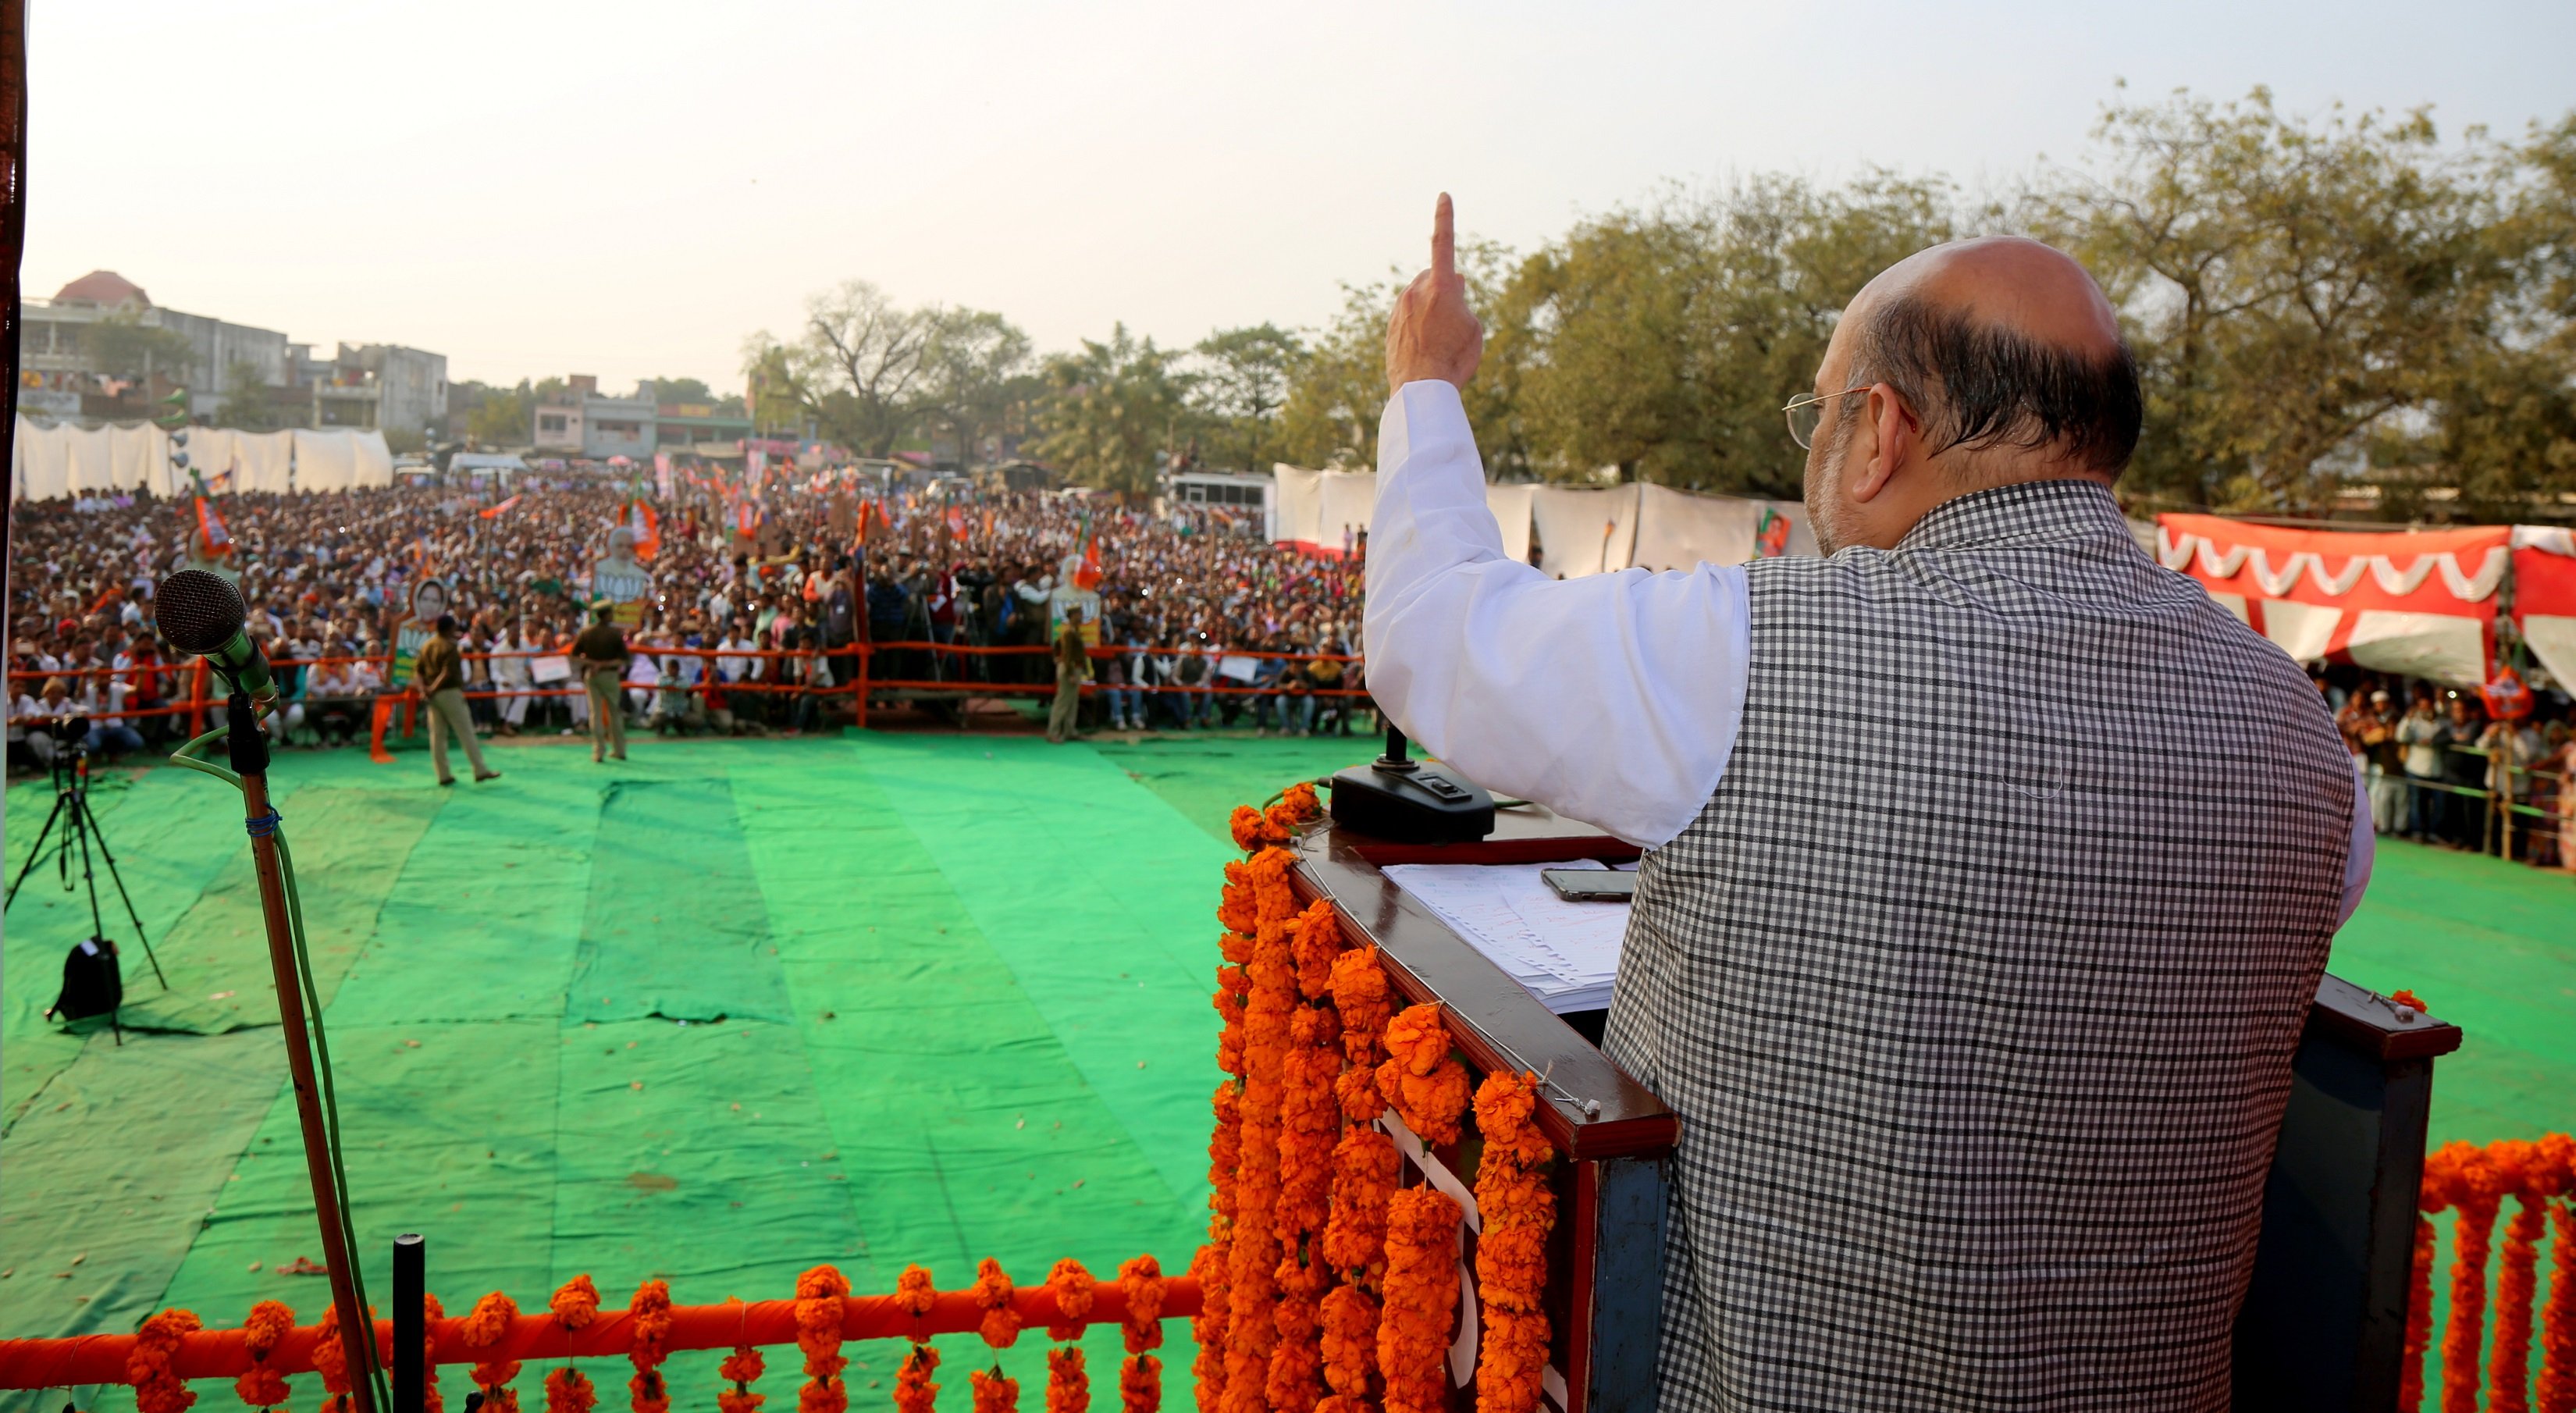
(1976, 981)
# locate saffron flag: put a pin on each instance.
(495, 512)
(645, 526)
(213, 539)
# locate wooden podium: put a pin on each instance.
(2323, 1322)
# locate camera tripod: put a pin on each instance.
(81, 832)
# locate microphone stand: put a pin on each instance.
(247, 747)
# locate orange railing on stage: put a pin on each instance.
(854, 662)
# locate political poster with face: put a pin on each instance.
(620, 580)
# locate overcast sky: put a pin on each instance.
(537, 188)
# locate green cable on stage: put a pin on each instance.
(373, 1372)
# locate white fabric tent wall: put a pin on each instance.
(1344, 502)
(89, 454)
(324, 461)
(38, 469)
(263, 462)
(375, 462)
(1676, 530)
(1584, 531)
(212, 451)
(1300, 502)
(1511, 507)
(138, 456)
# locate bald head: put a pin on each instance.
(2008, 351)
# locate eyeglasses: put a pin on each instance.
(1805, 412)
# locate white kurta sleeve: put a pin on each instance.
(1613, 699)
(2365, 846)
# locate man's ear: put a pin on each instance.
(1889, 440)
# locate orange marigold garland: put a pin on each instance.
(1350, 1348)
(1366, 1171)
(1315, 945)
(2418, 1308)
(1231, 987)
(1210, 1263)
(2509, 1352)
(1421, 1300)
(1516, 1210)
(995, 1391)
(740, 1369)
(1252, 1276)
(1140, 1384)
(1253, 829)
(1310, 1118)
(574, 1305)
(430, 1313)
(1069, 1285)
(1421, 1080)
(1140, 1279)
(650, 1313)
(1068, 1387)
(569, 1390)
(2474, 1194)
(913, 1390)
(483, 1327)
(261, 1386)
(331, 1361)
(820, 1294)
(1364, 1001)
(2556, 1158)
(1001, 1323)
(1225, 1141)
(1140, 1378)
(1068, 1381)
(153, 1367)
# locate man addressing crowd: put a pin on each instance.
(1990, 867)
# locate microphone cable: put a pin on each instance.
(374, 1372)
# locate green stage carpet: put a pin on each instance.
(736, 1008)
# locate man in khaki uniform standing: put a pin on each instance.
(600, 655)
(440, 673)
(1072, 669)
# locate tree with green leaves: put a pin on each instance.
(856, 369)
(246, 403)
(1243, 383)
(973, 364)
(1661, 341)
(686, 390)
(503, 417)
(1339, 390)
(2298, 292)
(121, 345)
(1113, 412)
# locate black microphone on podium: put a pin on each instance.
(1405, 801)
(203, 614)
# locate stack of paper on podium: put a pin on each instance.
(1564, 953)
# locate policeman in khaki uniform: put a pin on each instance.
(600, 655)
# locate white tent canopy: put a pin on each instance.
(1579, 529)
(56, 460)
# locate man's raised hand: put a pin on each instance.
(1432, 334)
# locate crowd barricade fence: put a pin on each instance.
(855, 680)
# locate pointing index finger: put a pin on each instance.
(1444, 240)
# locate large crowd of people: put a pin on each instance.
(1194, 625)
(1191, 627)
